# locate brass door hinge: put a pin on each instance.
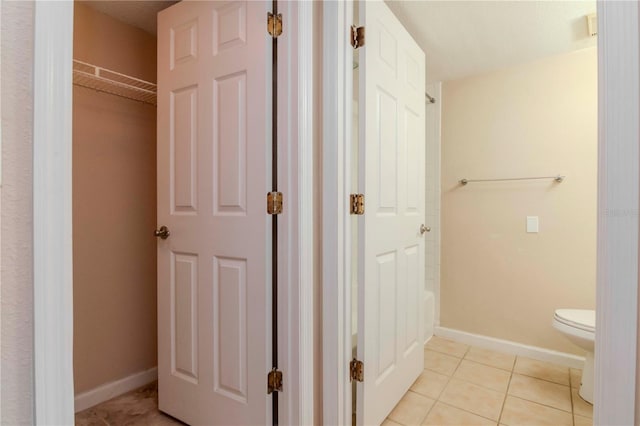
(274, 24)
(274, 381)
(274, 202)
(357, 36)
(356, 370)
(356, 204)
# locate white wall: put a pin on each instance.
(16, 277)
(317, 216)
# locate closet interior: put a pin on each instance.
(114, 199)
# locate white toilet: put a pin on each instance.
(579, 325)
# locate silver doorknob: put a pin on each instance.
(424, 229)
(163, 232)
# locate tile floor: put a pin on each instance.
(461, 385)
(464, 385)
(136, 408)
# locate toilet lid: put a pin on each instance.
(584, 319)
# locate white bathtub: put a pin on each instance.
(429, 314)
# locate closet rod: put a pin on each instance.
(112, 82)
(557, 178)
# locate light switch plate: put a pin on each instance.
(532, 224)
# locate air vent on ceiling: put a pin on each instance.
(592, 24)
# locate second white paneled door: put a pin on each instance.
(391, 247)
(213, 175)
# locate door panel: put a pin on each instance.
(213, 174)
(184, 316)
(230, 335)
(183, 122)
(391, 249)
(230, 145)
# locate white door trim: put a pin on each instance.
(305, 238)
(53, 257)
(295, 228)
(618, 200)
(52, 221)
(337, 83)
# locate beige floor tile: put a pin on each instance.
(473, 398)
(580, 406)
(542, 370)
(582, 421)
(483, 375)
(430, 384)
(446, 415)
(389, 422)
(446, 346)
(440, 363)
(540, 391)
(518, 412)
(576, 377)
(491, 358)
(412, 409)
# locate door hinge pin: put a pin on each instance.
(356, 370)
(357, 36)
(274, 24)
(274, 202)
(274, 381)
(356, 204)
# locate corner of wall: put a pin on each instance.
(433, 192)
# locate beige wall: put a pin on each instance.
(16, 268)
(114, 208)
(530, 120)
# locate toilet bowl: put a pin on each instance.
(579, 326)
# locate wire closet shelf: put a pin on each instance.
(115, 83)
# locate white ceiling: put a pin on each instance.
(463, 38)
(460, 38)
(139, 13)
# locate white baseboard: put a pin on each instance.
(111, 390)
(514, 348)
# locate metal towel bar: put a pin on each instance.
(557, 178)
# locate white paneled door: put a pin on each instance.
(213, 319)
(391, 246)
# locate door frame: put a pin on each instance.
(337, 86)
(618, 201)
(52, 217)
(52, 209)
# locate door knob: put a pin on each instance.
(163, 232)
(424, 229)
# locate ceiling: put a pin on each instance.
(463, 38)
(140, 13)
(460, 38)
